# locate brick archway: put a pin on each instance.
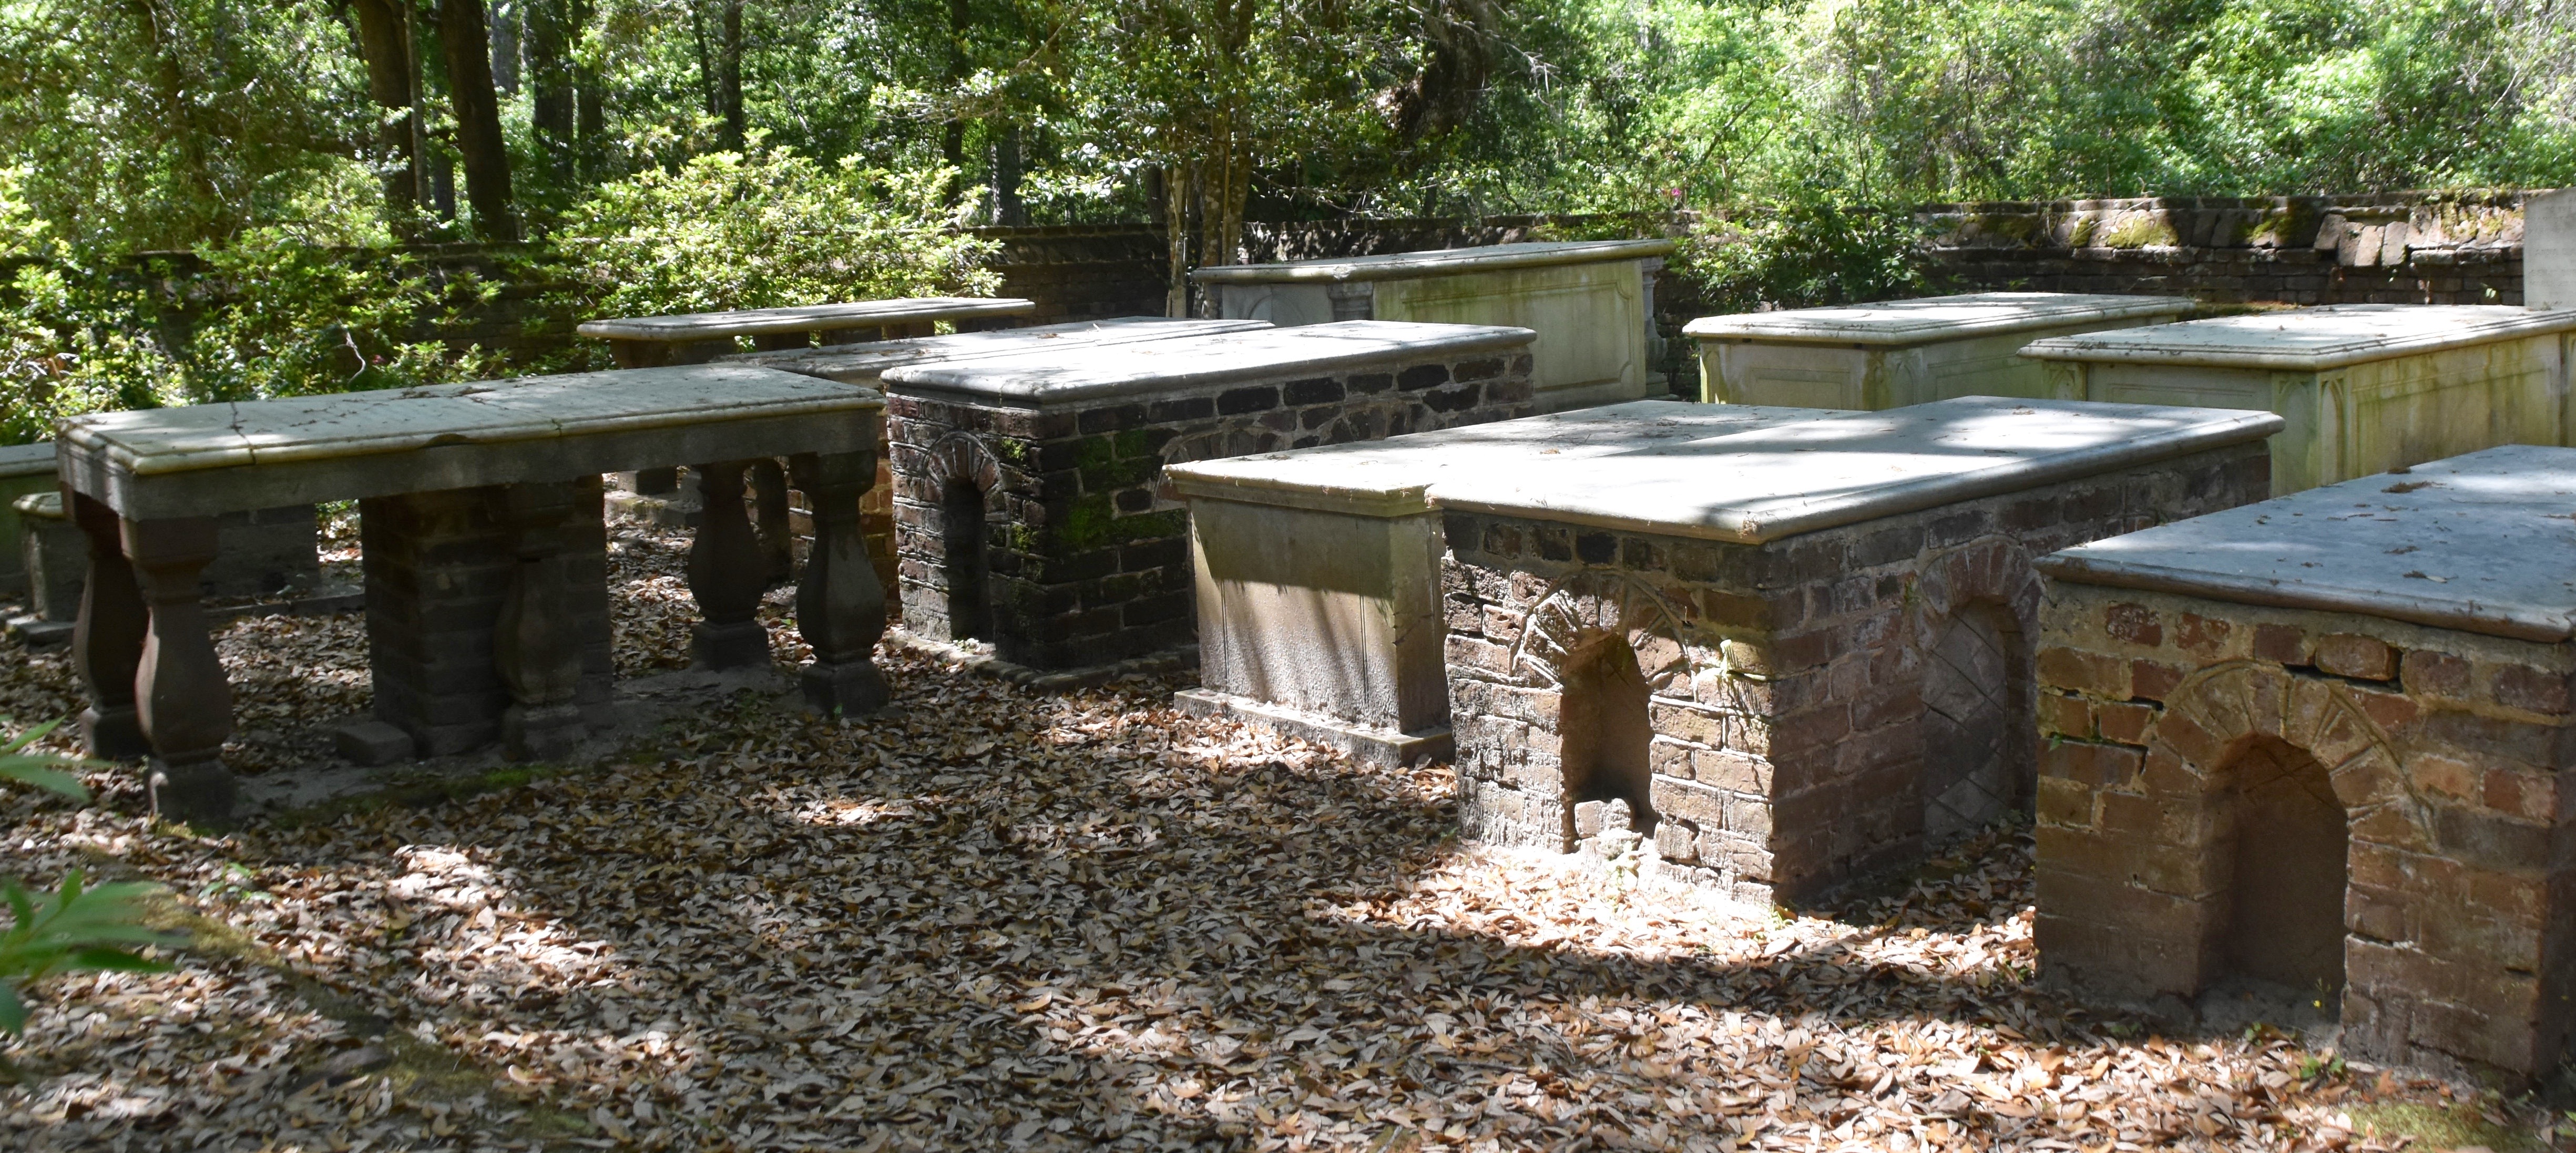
(1974, 611)
(1594, 606)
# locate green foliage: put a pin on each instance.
(74, 929)
(1817, 249)
(38, 769)
(766, 229)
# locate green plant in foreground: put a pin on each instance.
(75, 927)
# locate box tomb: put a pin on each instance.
(1030, 511)
(1795, 656)
(1591, 302)
(2375, 676)
(1318, 569)
(1893, 353)
(2365, 387)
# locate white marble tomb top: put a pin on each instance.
(1389, 477)
(1768, 483)
(26, 459)
(195, 460)
(2307, 339)
(1439, 262)
(864, 363)
(689, 326)
(2483, 543)
(1083, 375)
(1930, 319)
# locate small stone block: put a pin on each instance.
(38, 633)
(367, 741)
(201, 793)
(542, 733)
(729, 646)
(2358, 657)
(850, 690)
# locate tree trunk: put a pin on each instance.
(478, 117)
(550, 86)
(1178, 185)
(384, 43)
(508, 16)
(590, 110)
(729, 76)
(1007, 208)
(952, 137)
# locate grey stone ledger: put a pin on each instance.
(2549, 250)
(25, 469)
(1029, 502)
(438, 567)
(1782, 695)
(265, 552)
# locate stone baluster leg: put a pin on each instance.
(107, 640)
(777, 536)
(181, 696)
(535, 648)
(727, 573)
(840, 607)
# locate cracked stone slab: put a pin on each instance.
(1038, 379)
(1764, 484)
(1440, 262)
(2483, 543)
(205, 459)
(864, 363)
(2308, 339)
(690, 327)
(1930, 319)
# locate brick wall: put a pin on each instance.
(1085, 561)
(1787, 680)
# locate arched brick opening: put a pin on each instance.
(1977, 608)
(2274, 781)
(1611, 649)
(969, 489)
(2282, 855)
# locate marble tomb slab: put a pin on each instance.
(1319, 568)
(1083, 376)
(1590, 301)
(25, 469)
(694, 337)
(2364, 387)
(1899, 352)
(864, 363)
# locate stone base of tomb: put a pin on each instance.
(980, 660)
(439, 568)
(2315, 800)
(1785, 717)
(1365, 743)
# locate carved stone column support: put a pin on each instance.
(727, 573)
(107, 640)
(840, 607)
(535, 648)
(181, 697)
(1353, 300)
(777, 536)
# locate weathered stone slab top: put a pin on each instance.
(692, 326)
(1038, 379)
(190, 461)
(2483, 543)
(864, 363)
(26, 459)
(1389, 477)
(2308, 339)
(1765, 484)
(1932, 318)
(1443, 262)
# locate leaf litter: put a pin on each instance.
(1012, 920)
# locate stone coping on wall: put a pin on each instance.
(1040, 379)
(1438, 262)
(213, 458)
(1929, 319)
(2308, 339)
(865, 363)
(1390, 477)
(2482, 543)
(1765, 484)
(19, 460)
(696, 326)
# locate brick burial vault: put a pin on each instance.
(1319, 568)
(1791, 656)
(1029, 503)
(2320, 744)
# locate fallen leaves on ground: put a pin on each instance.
(1010, 920)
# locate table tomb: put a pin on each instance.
(1894, 353)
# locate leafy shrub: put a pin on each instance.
(1807, 251)
(765, 229)
(78, 927)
